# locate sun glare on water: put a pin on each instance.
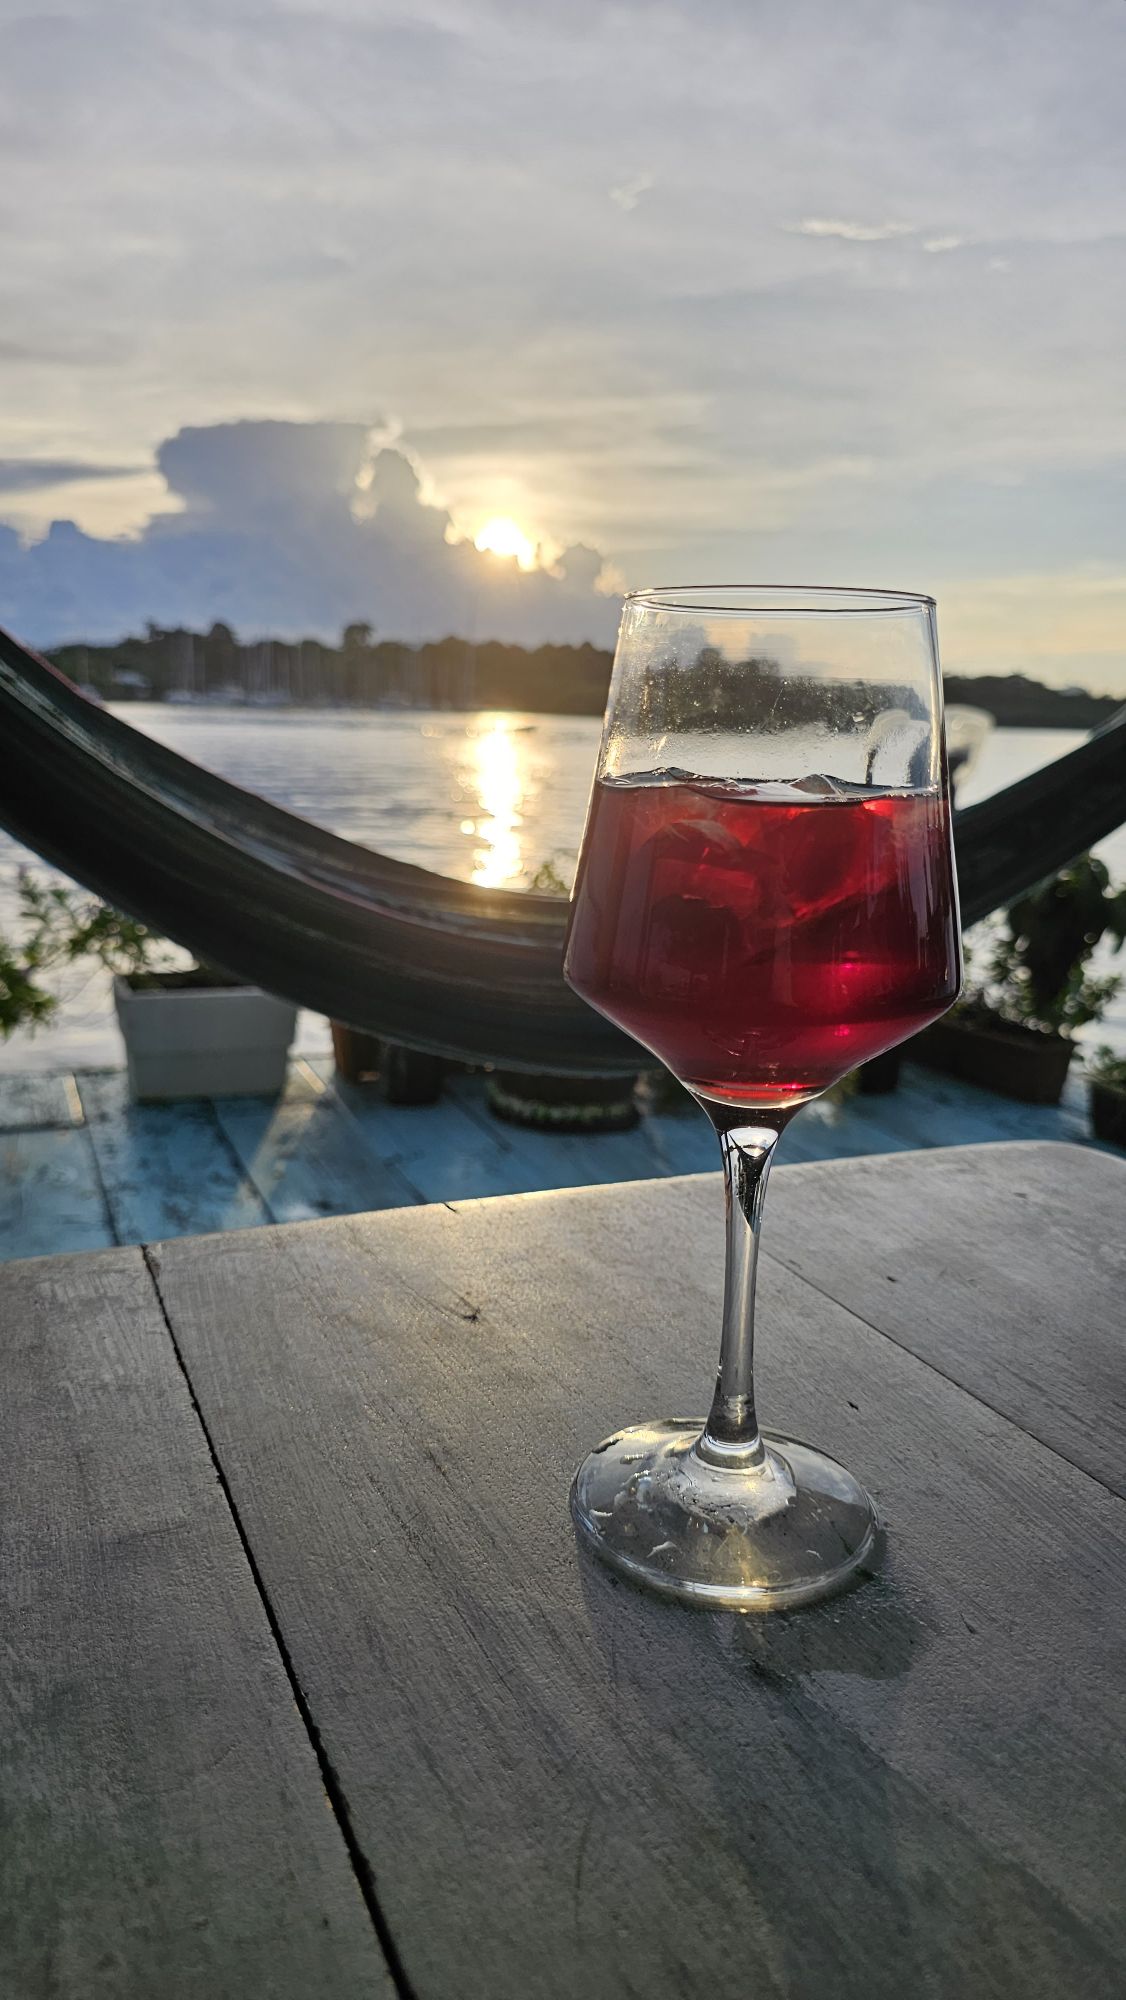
(504, 537)
(498, 779)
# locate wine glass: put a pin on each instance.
(765, 898)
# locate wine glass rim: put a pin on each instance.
(739, 600)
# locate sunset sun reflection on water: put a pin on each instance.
(498, 773)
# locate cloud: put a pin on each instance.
(31, 475)
(630, 192)
(1063, 626)
(854, 232)
(237, 471)
(291, 529)
(280, 209)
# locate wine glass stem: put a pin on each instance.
(731, 1434)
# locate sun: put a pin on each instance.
(503, 537)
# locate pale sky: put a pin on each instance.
(790, 291)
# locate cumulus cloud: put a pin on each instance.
(290, 529)
(854, 232)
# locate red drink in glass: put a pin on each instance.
(764, 939)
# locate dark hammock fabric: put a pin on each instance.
(411, 956)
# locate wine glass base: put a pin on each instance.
(764, 1537)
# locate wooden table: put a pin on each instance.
(307, 1692)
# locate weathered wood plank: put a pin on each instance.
(165, 1824)
(824, 1131)
(1004, 1266)
(438, 1148)
(303, 1157)
(566, 1159)
(566, 1787)
(50, 1199)
(166, 1168)
(683, 1141)
(931, 1109)
(30, 1102)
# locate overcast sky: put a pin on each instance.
(768, 290)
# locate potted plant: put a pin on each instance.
(880, 1076)
(564, 1103)
(189, 1031)
(1013, 1028)
(1106, 1093)
(56, 930)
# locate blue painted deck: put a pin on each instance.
(82, 1168)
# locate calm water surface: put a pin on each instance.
(489, 798)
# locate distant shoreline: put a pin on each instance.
(206, 704)
(1016, 702)
(365, 672)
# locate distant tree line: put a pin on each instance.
(1016, 702)
(366, 671)
(362, 671)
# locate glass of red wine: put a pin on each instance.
(765, 898)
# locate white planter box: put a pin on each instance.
(204, 1041)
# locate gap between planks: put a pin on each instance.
(361, 1866)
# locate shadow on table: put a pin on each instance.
(813, 1858)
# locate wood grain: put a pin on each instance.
(564, 1787)
(165, 1830)
(166, 1168)
(50, 1194)
(824, 1131)
(1003, 1266)
(302, 1157)
(549, 1159)
(443, 1153)
(33, 1102)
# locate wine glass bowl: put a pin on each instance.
(760, 941)
(765, 898)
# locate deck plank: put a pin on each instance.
(555, 1160)
(303, 1156)
(682, 1140)
(442, 1151)
(167, 1169)
(822, 1131)
(979, 1267)
(178, 1168)
(50, 1197)
(931, 1109)
(564, 1786)
(32, 1102)
(165, 1823)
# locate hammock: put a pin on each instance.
(413, 957)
